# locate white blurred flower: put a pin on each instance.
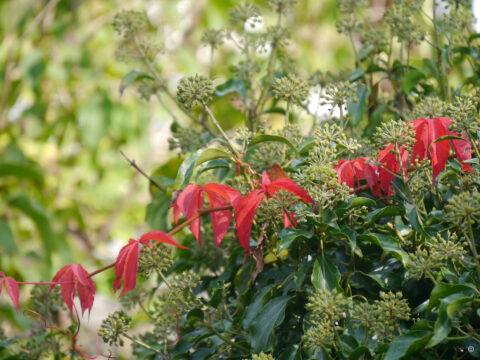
(253, 25)
(154, 13)
(316, 108)
(264, 50)
(476, 14)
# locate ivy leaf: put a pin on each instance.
(407, 344)
(271, 315)
(132, 77)
(325, 275)
(275, 138)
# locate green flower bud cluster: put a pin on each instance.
(395, 132)
(213, 38)
(242, 12)
(464, 113)
(327, 311)
(377, 38)
(182, 296)
(187, 140)
(47, 304)
(429, 107)
(133, 298)
(420, 179)
(382, 318)
(33, 348)
(432, 257)
(147, 88)
(291, 89)
(164, 319)
(271, 210)
(457, 24)
(195, 91)
(127, 22)
(355, 216)
(281, 6)
(114, 326)
(399, 20)
(338, 94)
(246, 70)
(244, 135)
(268, 154)
(158, 258)
(463, 209)
(263, 356)
(278, 36)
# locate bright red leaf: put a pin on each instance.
(191, 200)
(12, 289)
(390, 165)
(246, 208)
(351, 171)
(126, 265)
(74, 278)
(427, 131)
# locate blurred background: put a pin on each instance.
(66, 193)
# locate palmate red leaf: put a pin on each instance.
(244, 214)
(289, 220)
(74, 278)
(159, 236)
(191, 200)
(188, 203)
(351, 171)
(287, 184)
(126, 267)
(427, 131)
(12, 290)
(246, 208)
(390, 166)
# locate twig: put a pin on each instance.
(135, 166)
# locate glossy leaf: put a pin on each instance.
(275, 138)
(408, 344)
(325, 275)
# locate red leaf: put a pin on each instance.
(74, 278)
(1, 282)
(225, 191)
(12, 289)
(390, 166)
(67, 286)
(244, 214)
(160, 237)
(220, 219)
(188, 203)
(371, 174)
(351, 171)
(271, 187)
(126, 267)
(427, 131)
(289, 220)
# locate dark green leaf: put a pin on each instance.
(261, 331)
(442, 326)
(132, 77)
(289, 235)
(389, 244)
(186, 169)
(387, 211)
(357, 109)
(230, 87)
(442, 290)
(407, 344)
(415, 220)
(157, 210)
(411, 80)
(325, 275)
(275, 138)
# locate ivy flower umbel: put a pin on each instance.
(127, 22)
(240, 13)
(214, 38)
(114, 326)
(463, 209)
(291, 89)
(195, 91)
